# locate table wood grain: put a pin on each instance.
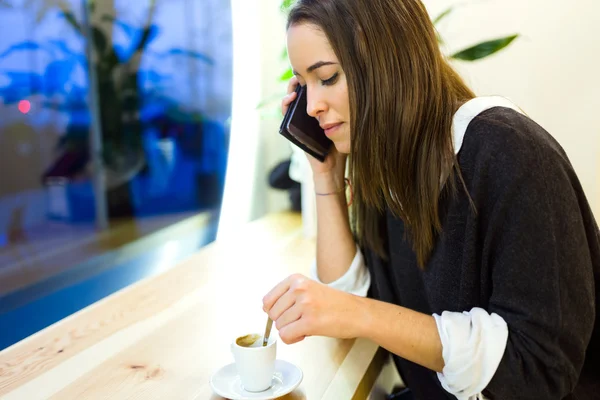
(163, 337)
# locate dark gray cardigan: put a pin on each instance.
(531, 254)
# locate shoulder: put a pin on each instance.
(507, 157)
(502, 138)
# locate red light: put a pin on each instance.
(24, 106)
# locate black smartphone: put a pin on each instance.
(303, 130)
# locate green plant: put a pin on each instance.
(124, 92)
(117, 84)
(478, 51)
(117, 70)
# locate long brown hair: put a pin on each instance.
(403, 95)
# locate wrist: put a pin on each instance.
(361, 322)
(328, 182)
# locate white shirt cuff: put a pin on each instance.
(356, 280)
(473, 344)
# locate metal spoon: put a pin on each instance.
(267, 331)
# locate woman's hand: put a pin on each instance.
(334, 165)
(302, 307)
(291, 95)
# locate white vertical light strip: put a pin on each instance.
(240, 177)
(95, 134)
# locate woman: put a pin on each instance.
(472, 239)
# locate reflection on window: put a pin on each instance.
(163, 80)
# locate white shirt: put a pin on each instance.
(473, 342)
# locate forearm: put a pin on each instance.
(335, 245)
(409, 334)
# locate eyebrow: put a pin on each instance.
(316, 65)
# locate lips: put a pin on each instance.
(331, 128)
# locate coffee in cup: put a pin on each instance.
(251, 340)
(255, 363)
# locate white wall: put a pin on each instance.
(551, 71)
(274, 148)
(255, 145)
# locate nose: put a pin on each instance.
(315, 103)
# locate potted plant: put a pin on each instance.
(121, 99)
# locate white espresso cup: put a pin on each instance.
(256, 364)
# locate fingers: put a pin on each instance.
(284, 303)
(290, 315)
(291, 94)
(271, 298)
(281, 304)
(311, 159)
(294, 340)
(292, 83)
(296, 282)
(287, 100)
(292, 333)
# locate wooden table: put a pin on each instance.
(163, 337)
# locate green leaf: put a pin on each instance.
(284, 54)
(100, 41)
(286, 4)
(438, 19)
(287, 75)
(484, 49)
(443, 15)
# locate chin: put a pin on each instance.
(342, 147)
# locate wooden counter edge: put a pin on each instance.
(357, 375)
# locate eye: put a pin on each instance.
(330, 81)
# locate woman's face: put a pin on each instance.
(317, 67)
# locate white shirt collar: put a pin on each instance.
(465, 114)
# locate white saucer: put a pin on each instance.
(227, 383)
